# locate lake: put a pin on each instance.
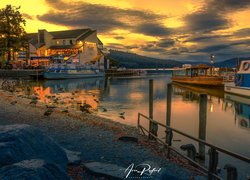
(121, 99)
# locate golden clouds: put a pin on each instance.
(144, 26)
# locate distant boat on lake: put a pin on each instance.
(241, 86)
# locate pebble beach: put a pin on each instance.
(94, 137)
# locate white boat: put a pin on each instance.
(69, 71)
(241, 86)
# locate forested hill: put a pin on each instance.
(130, 60)
(231, 63)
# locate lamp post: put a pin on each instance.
(212, 58)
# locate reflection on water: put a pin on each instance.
(241, 110)
(228, 117)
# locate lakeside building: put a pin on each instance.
(80, 45)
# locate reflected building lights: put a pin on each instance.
(211, 108)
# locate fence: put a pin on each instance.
(152, 131)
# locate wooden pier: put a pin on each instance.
(122, 72)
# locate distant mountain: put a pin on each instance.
(131, 60)
(231, 63)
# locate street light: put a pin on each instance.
(212, 58)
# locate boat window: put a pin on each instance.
(180, 73)
(202, 72)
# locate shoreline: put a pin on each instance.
(94, 136)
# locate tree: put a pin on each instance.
(12, 32)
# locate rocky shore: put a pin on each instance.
(95, 138)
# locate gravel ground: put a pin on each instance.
(95, 137)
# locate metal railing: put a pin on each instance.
(211, 171)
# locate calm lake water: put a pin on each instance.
(228, 117)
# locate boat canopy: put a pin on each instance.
(200, 66)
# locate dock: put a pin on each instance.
(19, 72)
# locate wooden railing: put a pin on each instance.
(211, 171)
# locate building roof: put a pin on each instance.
(65, 47)
(68, 33)
(33, 39)
(200, 66)
(85, 35)
(99, 41)
(79, 34)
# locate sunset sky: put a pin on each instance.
(167, 29)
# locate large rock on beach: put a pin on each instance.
(34, 169)
(24, 142)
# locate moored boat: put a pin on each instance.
(67, 71)
(202, 75)
(241, 86)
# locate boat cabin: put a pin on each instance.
(197, 71)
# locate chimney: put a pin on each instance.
(41, 36)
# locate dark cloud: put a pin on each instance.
(212, 16)
(243, 32)
(241, 42)
(27, 16)
(84, 18)
(152, 47)
(183, 50)
(131, 47)
(152, 29)
(227, 5)
(165, 43)
(214, 48)
(178, 50)
(119, 37)
(232, 45)
(199, 38)
(103, 18)
(205, 21)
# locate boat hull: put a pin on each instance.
(215, 91)
(201, 81)
(243, 91)
(54, 75)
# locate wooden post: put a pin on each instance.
(151, 94)
(153, 128)
(169, 100)
(213, 162)
(202, 125)
(169, 133)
